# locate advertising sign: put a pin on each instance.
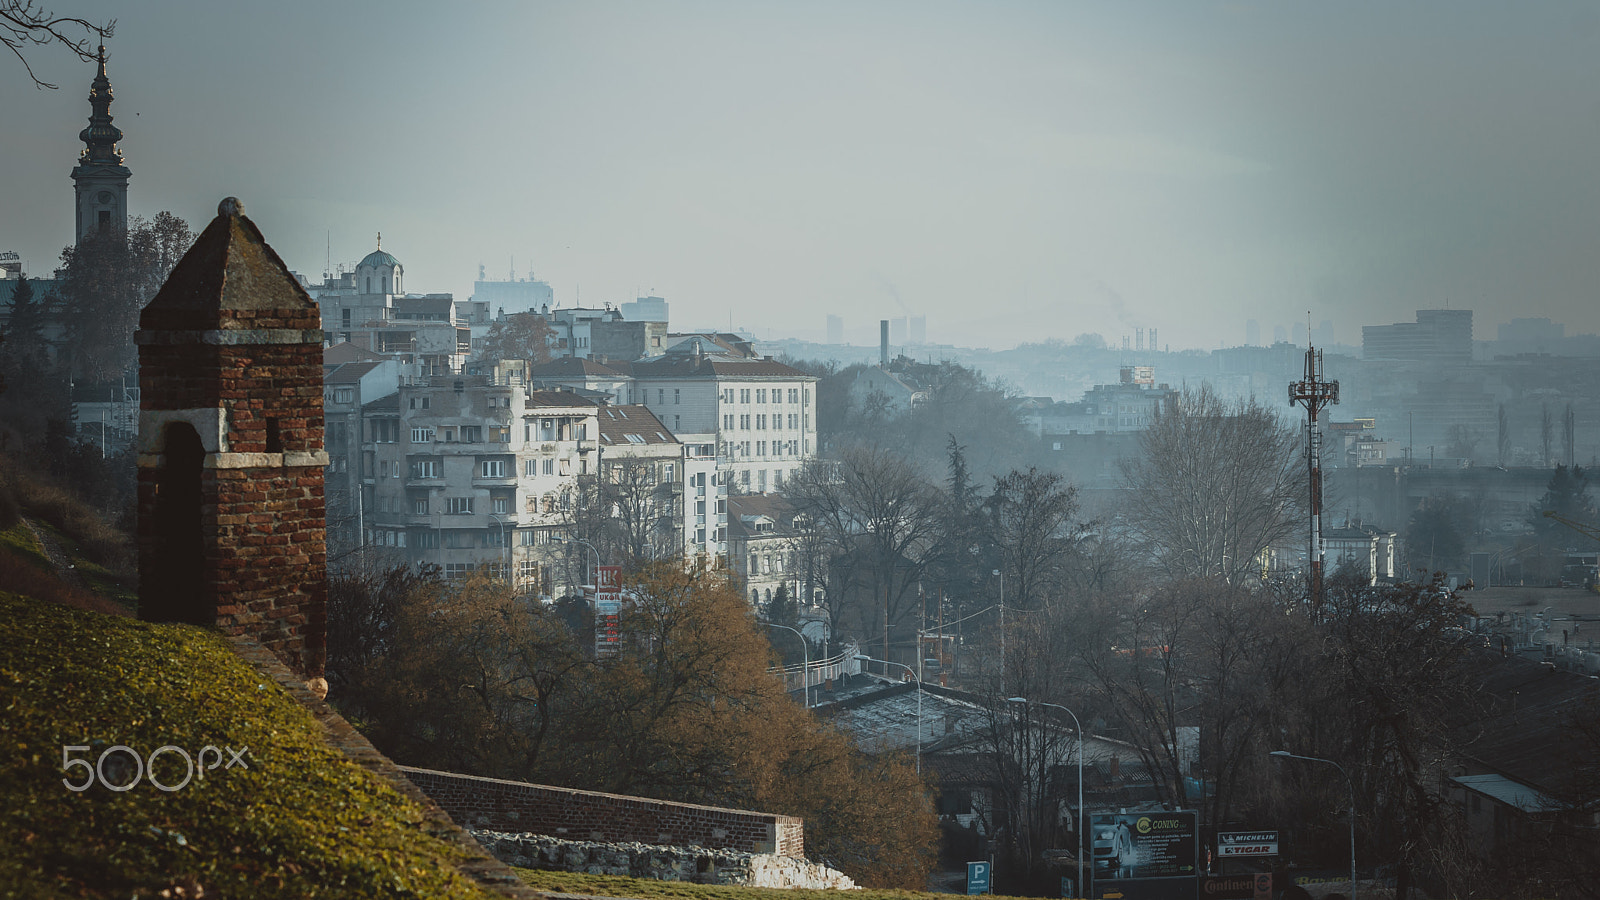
(607, 610)
(1247, 843)
(1249, 886)
(1143, 845)
(978, 877)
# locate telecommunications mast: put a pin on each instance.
(1315, 393)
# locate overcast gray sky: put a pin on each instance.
(1014, 171)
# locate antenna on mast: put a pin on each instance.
(1315, 393)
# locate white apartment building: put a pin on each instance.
(465, 472)
(759, 414)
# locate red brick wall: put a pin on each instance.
(514, 806)
(206, 351)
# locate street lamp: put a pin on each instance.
(1284, 754)
(805, 649)
(505, 543)
(913, 673)
(1002, 576)
(594, 554)
(1082, 813)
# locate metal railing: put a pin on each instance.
(799, 677)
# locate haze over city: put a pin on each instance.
(1013, 172)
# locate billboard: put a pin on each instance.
(607, 610)
(1247, 843)
(1143, 845)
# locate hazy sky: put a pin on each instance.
(1015, 171)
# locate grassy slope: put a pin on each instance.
(619, 886)
(301, 821)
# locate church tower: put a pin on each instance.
(100, 180)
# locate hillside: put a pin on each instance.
(292, 818)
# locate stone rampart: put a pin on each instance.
(518, 807)
(699, 865)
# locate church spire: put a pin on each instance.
(100, 180)
(101, 137)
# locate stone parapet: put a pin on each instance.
(699, 865)
(519, 807)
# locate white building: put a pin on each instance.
(760, 414)
(465, 472)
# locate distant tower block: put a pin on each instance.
(231, 519)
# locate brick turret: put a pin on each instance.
(231, 517)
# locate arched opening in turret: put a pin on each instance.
(178, 594)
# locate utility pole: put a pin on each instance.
(1315, 393)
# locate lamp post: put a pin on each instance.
(505, 543)
(805, 650)
(1082, 813)
(1002, 576)
(913, 674)
(1284, 754)
(594, 554)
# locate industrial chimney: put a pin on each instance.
(883, 343)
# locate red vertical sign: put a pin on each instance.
(607, 608)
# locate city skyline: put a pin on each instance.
(1013, 173)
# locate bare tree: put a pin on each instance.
(24, 24)
(1217, 485)
(881, 520)
(1030, 517)
(105, 280)
(1546, 433)
(1503, 444)
(626, 511)
(523, 336)
(1463, 441)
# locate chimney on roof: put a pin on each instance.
(883, 343)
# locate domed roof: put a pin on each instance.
(378, 258)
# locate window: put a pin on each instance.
(550, 466)
(459, 506)
(661, 396)
(566, 466)
(500, 434)
(344, 395)
(421, 435)
(527, 539)
(530, 467)
(727, 422)
(744, 422)
(794, 395)
(425, 468)
(502, 504)
(427, 540)
(493, 468)
(761, 395)
(761, 422)
(472, 434)
(761, 448)
(456, 571)
(677, 396)
(744, 395)
(419, 506)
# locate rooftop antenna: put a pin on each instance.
(1315, 393)
(327, 262)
